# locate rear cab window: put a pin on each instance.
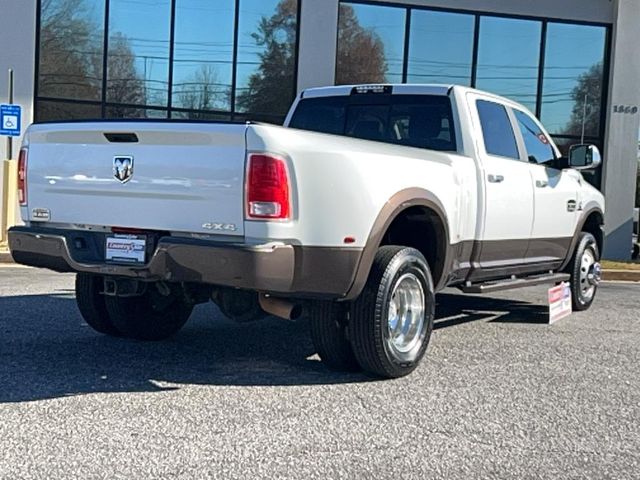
(424, 121)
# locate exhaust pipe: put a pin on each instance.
(280, 308)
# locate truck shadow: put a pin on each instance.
(46, 351)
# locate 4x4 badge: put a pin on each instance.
(123, 168)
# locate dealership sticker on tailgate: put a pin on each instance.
(126, 248)
(559, 302)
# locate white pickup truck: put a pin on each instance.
(367, 202)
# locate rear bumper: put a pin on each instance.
(280, 269)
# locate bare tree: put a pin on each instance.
(70, 51)
(202, 91)
(124, 84)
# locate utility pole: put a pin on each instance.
(584, 117)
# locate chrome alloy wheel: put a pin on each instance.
(406, 317)
(590, 274)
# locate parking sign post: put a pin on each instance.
(2, 126)
(10, 121)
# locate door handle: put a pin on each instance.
(495, 178)
(542, 183)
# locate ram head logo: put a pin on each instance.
(123, 168)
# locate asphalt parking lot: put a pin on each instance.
(501, 395)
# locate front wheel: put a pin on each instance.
(392, 319)
(157, 314)
(585, 272)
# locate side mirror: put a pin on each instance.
(584, 157)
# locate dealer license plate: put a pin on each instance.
(126, 248)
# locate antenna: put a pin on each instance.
(584, 117)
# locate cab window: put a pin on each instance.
(423, 121)
(497, 132)
(539, 149)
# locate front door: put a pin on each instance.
(556, 195)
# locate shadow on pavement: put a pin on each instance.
(46, 350)
(454, 310)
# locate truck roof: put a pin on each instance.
(400, 89)
(395, 88)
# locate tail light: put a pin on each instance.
(267, 190)
(22, 177)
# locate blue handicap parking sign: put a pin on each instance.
(10, 120)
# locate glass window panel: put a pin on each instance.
(573, 72)
(440, 47)
(370, 44)
(71, 41)
(508, 58)
(117, 111)
(201, 116)
(496, 130)
(203, 54)
(54, 111)
(266, 56)
(138, 55)
(539, 149)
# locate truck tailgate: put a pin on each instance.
(185, 176)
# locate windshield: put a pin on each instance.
(424, 121)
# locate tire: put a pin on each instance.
(397, 273)
(92, 305)
(241, 306)
(328, 324)
(152, 315)
(585, 262)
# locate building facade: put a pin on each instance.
(575, 64)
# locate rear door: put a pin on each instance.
(508, 191)
(156, 176)
(556, 195)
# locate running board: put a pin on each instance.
(510, 283)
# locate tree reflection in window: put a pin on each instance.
(71, 38)
(267, 86)
(370, 44)
(573, 79)
(203, 56)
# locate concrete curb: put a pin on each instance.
(621, 275)
(5, 257)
